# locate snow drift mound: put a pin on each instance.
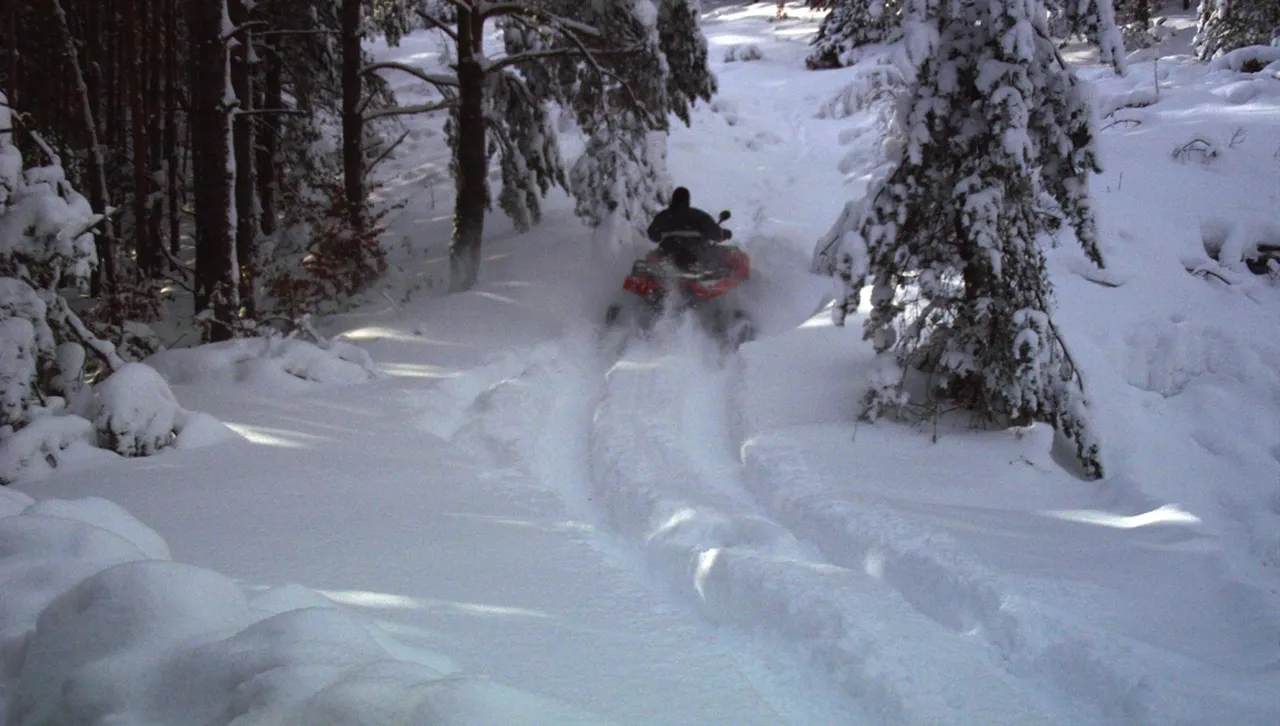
(98, 626)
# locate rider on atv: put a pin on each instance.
(685, 233)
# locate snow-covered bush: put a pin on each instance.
(743, 53)
(274, 362)
(1249, 59)
(879, 82)
(135, 413)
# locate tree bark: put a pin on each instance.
(352, 120)
(246, 198)
(471, 160)
(148, 257)
(270, 127)
(212, 169)
(172, 157)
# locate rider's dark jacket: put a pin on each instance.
(684, 221)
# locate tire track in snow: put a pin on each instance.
(1097, 676)
(662, 484)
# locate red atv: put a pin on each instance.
(704, 283)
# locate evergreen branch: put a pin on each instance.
(511, 60)
(497, 9)
(590, 57)
(94, 221)
(313, 31)
(437, 80)
(437, 24)
(241, 28)
(407, 110)
(270, 112)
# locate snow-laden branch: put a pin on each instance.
(406, 110)
(493, 10)
(589, 56)
(233, 32)
(511, 60)
(436, 79)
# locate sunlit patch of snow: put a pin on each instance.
(1167, 514)
(264, 436)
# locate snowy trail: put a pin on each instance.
(665, 475)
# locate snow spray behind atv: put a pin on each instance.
(704, 283)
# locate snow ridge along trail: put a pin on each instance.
(666, 477)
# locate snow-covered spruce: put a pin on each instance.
(1226, 25)
(850, 25)
(995, 125)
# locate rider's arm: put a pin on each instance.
(657, 227)
(710, 228)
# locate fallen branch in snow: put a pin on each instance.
(1119, 121)
(1199, 146)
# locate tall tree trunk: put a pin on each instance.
(172, 158)
(155, 139)
(469, 156)
(212, 168)
(148, 257)
(270, 127)
(246, 198)
(352, 121)
(98, 198)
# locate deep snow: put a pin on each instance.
(516, 521)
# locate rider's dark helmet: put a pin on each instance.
(680, 198)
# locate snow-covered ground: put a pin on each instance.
(514, 521)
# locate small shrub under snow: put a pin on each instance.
(744, 53)
(135, 413)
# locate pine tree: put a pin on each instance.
(1226, 25)
(995, 124)
(852, 24)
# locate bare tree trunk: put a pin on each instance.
(148, 257)
(470, 157)
(212, 169)
(173, 160)
(269, 137)
(352, 120)
(155, 139)
(246, 198)
(98, 197)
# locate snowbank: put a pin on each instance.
(97, 625)
(274, 363)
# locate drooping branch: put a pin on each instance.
(407, 110)
(494, 10)
(438, 24)
(435, 79)
(589, 56)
